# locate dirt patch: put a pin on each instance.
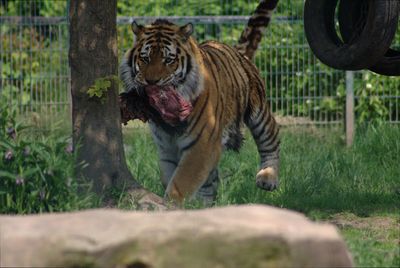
(343, 220)
(291, 120)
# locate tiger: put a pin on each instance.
(223, 90)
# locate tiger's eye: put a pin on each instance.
(145, 59)
(169, 60)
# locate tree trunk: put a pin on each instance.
(96, 123)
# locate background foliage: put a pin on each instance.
(35, 75)
(36, 168)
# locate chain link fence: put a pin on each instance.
(35, 73)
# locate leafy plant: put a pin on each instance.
(99, 88)
(36, 171)
(372, 104)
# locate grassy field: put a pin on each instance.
(356, 188)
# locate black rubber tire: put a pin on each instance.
(349, 17)
(360, 53)
(389, 64)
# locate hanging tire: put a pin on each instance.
(351, 18)
(389, 64)
(359, 53)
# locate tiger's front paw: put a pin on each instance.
(172, 194)
(267, 179)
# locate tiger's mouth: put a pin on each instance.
(172, 107)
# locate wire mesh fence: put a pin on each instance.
(35, 73)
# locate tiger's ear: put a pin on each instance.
(137, 29)
(186, 30)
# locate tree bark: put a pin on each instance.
(96, 123)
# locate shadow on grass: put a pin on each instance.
(320, 176)
(358, 203)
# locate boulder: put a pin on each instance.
(234, 236)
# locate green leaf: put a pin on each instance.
(7, 175)
(100, 87)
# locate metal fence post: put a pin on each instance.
(349, 108)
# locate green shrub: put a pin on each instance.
(36, 170)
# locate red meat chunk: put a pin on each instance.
(172, 107)
(159, 103)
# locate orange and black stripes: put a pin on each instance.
(252, 34)
(226, 92)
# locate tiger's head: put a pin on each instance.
(163, 55)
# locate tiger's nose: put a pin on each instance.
(152, 81)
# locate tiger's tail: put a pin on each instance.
(252, 34)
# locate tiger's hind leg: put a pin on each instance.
(232, 140)
(208, 191)
(265, 132)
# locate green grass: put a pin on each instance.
(319, 176)
(356, 188)
(373, 247)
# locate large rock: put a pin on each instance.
(241, 236)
